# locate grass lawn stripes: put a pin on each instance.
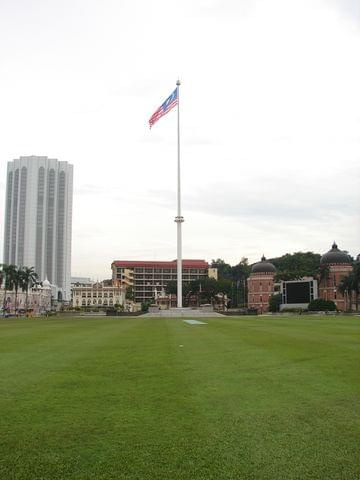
(243, 398)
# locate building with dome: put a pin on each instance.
(335, 264)
(38, 301)
(261, 285)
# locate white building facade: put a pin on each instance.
(98, 295)
(37, 302)
(38, 219)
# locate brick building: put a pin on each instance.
(261, 285)
(337, 265)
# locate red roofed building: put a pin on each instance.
(147, 276)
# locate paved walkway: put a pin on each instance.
(182, 312)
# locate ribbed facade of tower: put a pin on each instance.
(38, 218)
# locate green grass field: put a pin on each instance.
(141, 398)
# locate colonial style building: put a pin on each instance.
(146, 277)
(337, 265)
(37, 302)
(98, 295)
(261, 285)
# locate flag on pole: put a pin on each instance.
(169, 103)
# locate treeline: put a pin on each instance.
(290, 266)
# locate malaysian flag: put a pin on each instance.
(169, 103)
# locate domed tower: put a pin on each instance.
(261, 285)
(336, 264)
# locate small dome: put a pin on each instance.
(263, 267)
(335, 256)
(46, 283)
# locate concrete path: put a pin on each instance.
(182, 312)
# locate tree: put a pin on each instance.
(223, 269)
(275, 302)
(16, 273)
(240, 274)
(225, 286)
(356, 283)
(9, 273)
(129, 294)
(171, 287)
(297, 265)
(206, 287)
(2, 278)
(323, 272)
(349, 286)
(2, 275)
(28, 278)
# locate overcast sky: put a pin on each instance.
(270, 120)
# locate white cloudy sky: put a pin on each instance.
(270, 108)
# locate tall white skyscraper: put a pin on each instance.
(38, 218)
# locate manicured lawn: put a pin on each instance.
(137, 398)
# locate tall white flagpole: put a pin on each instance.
(179, 219)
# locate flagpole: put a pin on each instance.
(179, 219)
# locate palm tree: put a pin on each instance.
(16, 279)
(323, 273)
(8, 273)
(346, 287)
(356, 283)
(2, 274)
(28, 279)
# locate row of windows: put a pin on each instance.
(94, 294)
(94, 302)
(168, 270)
(159, 281)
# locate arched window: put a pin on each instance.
(89, 302)
(105, 302)
(110, 301)
(94, 301)
(83, 303)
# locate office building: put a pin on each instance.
(38, 219)
(146, 278)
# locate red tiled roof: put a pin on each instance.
(156, 264)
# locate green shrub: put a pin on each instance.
(145, 306)
(275, 302)
(320, 305)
